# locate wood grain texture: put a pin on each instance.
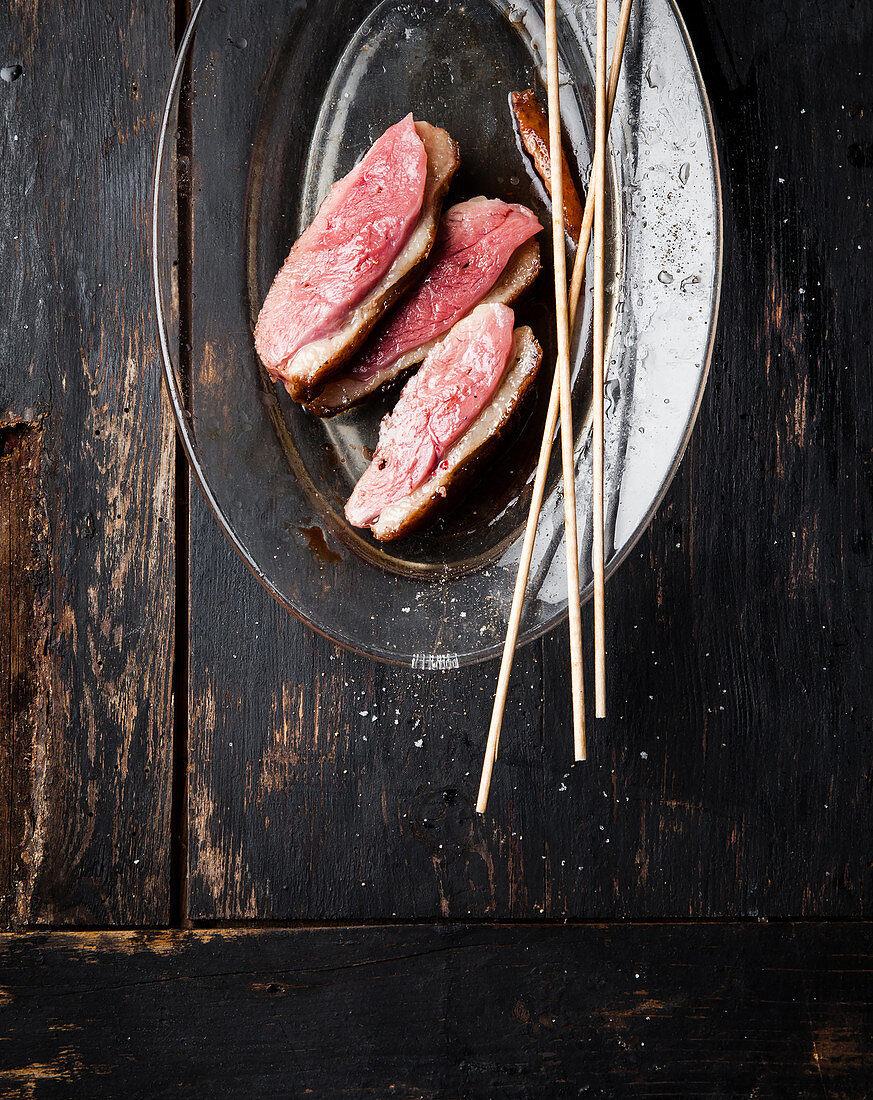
(344, 788)
(321, 784)
(88, 574)
(715, 1011)
(736, 761)
(23, 697)
(733, 776)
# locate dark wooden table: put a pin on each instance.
(218, 878)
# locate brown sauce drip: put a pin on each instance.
(317, 544)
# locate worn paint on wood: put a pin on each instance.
(733, 776)
(87, 734)
(23, 634)
(337, 786)
(769, 1011)
(302, 806)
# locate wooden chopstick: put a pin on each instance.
(597, 366)
(539, 486)
(562, 320)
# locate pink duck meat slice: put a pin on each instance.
(356, 235)
(474, 244)
(456, 382)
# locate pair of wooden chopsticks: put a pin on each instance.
(559, 404)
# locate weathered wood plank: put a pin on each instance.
(340, 788)
(321, 784)
(733, 776)
(741, 628)
(88, 471)
(23, 698)
(716, 1011)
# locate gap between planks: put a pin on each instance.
(254, 926)
(178, 914)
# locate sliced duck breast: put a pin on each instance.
(447, 419)
(361, 250)
(472, 451)
(483, 252)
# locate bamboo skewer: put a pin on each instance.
(588, 214)
(562, 319)
(551, 425)
(597, 366)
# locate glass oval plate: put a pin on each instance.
(269, 103)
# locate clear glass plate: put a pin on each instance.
(275, 101)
